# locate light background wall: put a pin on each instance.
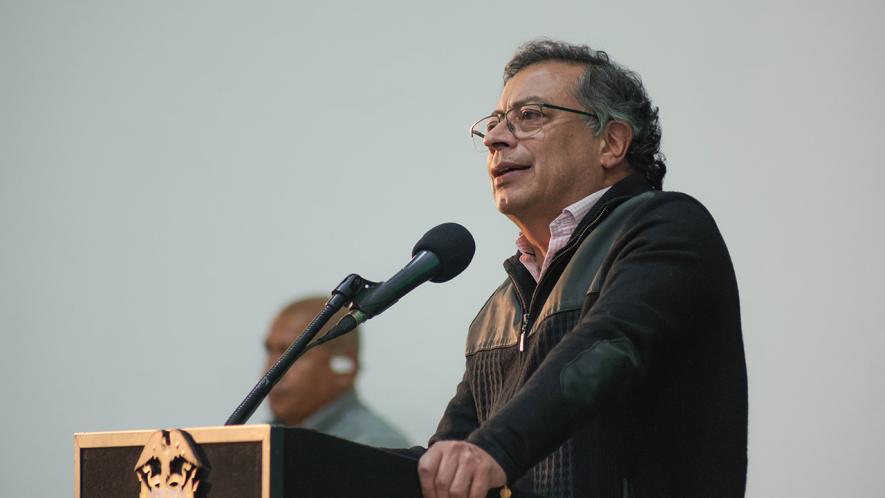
(172, 172)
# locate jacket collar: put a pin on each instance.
(627, 187)
(624, 189)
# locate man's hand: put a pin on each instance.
(457, 469)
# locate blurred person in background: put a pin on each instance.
(319, 391)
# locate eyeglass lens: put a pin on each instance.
(522, 121)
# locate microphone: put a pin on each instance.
(441, 255)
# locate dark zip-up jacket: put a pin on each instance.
(621, 373)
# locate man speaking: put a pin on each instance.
(610, 361)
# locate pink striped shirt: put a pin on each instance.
(561, 230)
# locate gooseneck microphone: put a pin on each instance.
(441, 254)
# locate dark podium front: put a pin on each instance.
(249, 461)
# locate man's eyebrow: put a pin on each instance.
(531, 99)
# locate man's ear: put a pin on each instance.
(616, 139)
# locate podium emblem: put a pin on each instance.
(168, 466)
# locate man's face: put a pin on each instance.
(310, 383)
(535, 178)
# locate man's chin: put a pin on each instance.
(506, 205)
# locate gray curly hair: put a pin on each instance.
(612, 92)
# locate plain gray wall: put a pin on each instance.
(171, 173)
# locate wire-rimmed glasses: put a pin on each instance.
(523, 121)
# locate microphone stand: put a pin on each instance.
(346, 291)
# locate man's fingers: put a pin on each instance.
(456, 469)
(487, 474)
(464, 476)
(479, 488)
(427, 467)
(448, 465)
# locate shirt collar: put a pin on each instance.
(562, 227)
(580, 209)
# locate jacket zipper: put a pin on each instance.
(525, 322)
(527, 310)
(525, 313)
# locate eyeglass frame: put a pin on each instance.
(510, 126)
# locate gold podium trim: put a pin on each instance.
(201, 435)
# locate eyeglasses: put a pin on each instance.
(523, 121)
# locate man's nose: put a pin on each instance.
(500, 137)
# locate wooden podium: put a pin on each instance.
(247, 461)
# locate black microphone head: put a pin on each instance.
(452, 244)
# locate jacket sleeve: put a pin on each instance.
(459, 419)
(666, 261)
